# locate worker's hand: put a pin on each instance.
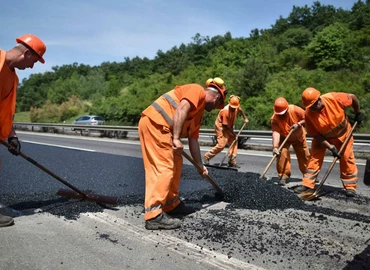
(276, 152)
(335, 152)
(203, 172)
(246, 120)
(359, 117)
(15, 145)
(294, 127)
(177, 146)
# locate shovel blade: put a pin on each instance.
(308, 195)
(91, 197)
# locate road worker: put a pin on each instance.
(176, 114)
(287, 118)
(224, 128)
(28, 50)
(327, 122)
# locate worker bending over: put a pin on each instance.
(28, 50)
(327, 122)
(287, 118)
(224, 128)
(176, 114)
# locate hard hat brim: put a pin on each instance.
(281, 113)
(234, 107)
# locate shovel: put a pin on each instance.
(75, 193)
(275, 156)
(310, 195)
(232, 144)
(219, 194)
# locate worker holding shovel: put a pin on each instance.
(176, 114)
(327, 122)
(224, 128)
(287, 123)
(28, 50)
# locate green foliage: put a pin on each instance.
(318, 46)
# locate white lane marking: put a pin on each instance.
(60, 146)
(199, 254)
(138, 143)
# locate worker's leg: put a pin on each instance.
(303, 154)
(314, 164)
(157, 152)
(348, 167)
(283, 162)
(222, 139)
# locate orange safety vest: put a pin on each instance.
(330, 124)
(163, 109)
(229, 115)
(284, 126)
(7, 105)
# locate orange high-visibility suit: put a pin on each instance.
(282, 125)
(332, 124)
(8, 92)
(162, 167)
(224, 135)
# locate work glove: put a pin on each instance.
(295, 126)
(335, 152)
(15, 145)
(276, 152)
(359, 117)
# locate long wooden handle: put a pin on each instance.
(275, 156)
(334, 160)
(232, 144)
(186, 155)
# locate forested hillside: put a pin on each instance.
(318, 46)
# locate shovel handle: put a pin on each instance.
(213, 183)
(232, 144)
(275, 156)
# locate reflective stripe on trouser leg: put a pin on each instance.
(302, 153)
(348, 167)
(222, 139)
(314, 164)
(161, 179)
(283, 161)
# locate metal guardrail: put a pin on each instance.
(121, 131)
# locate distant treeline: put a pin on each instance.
(319, 46)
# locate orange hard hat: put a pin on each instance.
(309, 97)
(234, 101)
(280, 106)
(219, 85)
(34, 43)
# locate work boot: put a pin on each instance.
(162, 221)
(6, 221)
(205, 160)
(283, 180)
(182, 209)
(350, 193)
(301, 189)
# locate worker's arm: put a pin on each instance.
(244, 116)
(321, 139)
(275, 143)
(195, 153)
(359, 117)
(181, 113)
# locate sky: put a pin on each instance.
(91, 32)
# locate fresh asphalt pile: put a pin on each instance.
(261, 223)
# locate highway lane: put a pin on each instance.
(250, 160)
(328, 234)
